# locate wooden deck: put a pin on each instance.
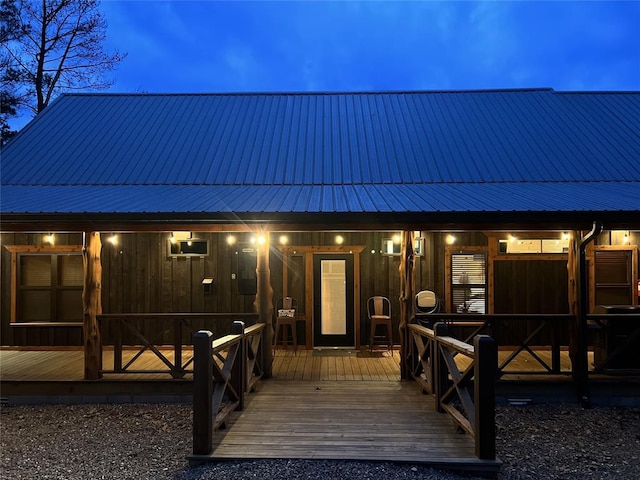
(345, 420)
(67, 365)
(337, 365)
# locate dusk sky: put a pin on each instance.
(239, 46)
(215, 46)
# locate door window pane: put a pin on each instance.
(334, 297)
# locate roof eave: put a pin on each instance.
(515, 220)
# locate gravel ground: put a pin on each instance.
(152, 441)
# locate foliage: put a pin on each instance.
(9, 31)
(53, 46)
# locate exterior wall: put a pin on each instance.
(140, 276)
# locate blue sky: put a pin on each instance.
(239, 46)
(229, 46)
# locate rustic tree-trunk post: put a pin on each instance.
(573, 268)
(92, 305)
(264, 303)
(407, 282)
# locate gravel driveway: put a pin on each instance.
(152, 441)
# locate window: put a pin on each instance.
(469, 282)
(613, 277)
(49, 287)
(534, 245)
(192, 247)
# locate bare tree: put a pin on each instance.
(60, 49)
(10, 30)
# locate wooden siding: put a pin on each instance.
(532, 286)
(140, 276)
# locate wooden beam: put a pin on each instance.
(92, 305)
(407, 287)
(263, 303)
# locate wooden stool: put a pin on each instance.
(386, 338)
(281, 327)
(287, 315)
(379, 312)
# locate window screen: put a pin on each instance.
(468, 282)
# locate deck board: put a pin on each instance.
(344, 420)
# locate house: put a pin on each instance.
(496, 191)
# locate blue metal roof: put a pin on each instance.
(420, 198)
(502, 150)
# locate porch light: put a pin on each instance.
(283, 239)
(512, 238)
(396, 238)
(113, 239)
(339, 239)
(231, 240)
(261, 240)
(451, 239)
(625, 238)
(50, 239)
(566, 235)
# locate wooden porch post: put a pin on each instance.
(573, 268)
(579, 306)
(407, 286)
(263, 304)
(92, 305)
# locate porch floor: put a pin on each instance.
(67, 364)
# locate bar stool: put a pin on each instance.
(287, 312)
(379, 312)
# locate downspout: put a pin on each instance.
(582, 363)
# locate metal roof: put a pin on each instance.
(474, 151)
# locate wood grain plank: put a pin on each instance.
(342, 420)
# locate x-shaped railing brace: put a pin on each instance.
(425, 350)
(461, 382)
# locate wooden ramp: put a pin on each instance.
(345, 420)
